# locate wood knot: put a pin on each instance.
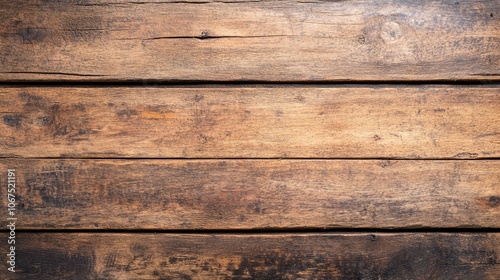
(489, 201)
(361, 39)
(204, 34)
(198, 98)
(391, 32)
(385, 163)
(390, 39)
(493, 201)
(466, 155)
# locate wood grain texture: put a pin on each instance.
(255, 194)
(277, 122)
(264, 256)
(249, 40)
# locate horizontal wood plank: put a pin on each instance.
(249, 40)
(256, 122)
(264, 256)
(255, 194)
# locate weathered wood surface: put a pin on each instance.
(256, 122)
(251, 194)
(263, 256)
(247, 40)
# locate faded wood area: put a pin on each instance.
(254, 122)
(253, 194)
(264, 256)
(249, 40)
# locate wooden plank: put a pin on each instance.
(249, 256)
(263, 40)
(277, 122)
(255, 194)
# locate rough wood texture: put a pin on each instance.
(299, 122)
(247, 194)
(277, 256)
(246, 40)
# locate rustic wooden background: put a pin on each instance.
(207, 139)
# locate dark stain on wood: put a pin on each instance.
(53, 118)
(13, 120)
(30, 35)
(47, 263)
(259, 256)
(426, 260)
(55, 184)
(278, 265)
(32, 101)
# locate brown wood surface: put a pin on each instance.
(256, 122)
(280, 180)
(256, 256)
(249, 40)
(253, 194)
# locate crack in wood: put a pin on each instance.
(207, 37)
(53, 73)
